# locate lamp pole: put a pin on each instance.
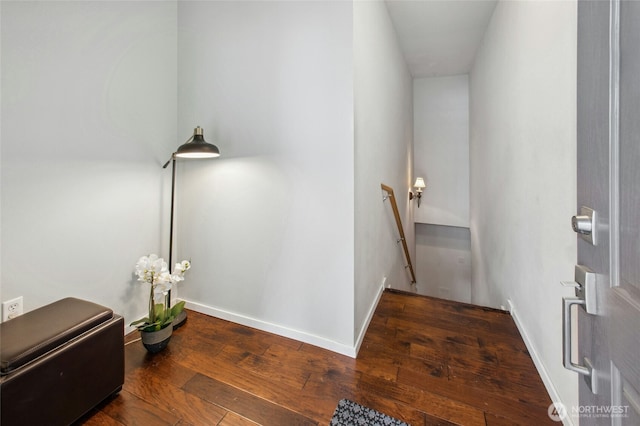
(194, 147)
(173, 200)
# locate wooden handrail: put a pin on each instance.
(396, 213)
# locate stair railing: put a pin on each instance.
(402, 239)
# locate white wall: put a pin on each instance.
(383, 154)
(523, 168)
(269, 225)
(104, 92)
(441, 149)
(443, 267)
(88, 116)
(441, 157)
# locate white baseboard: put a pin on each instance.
(129, 329)
(546, 379)
(273, 328)
(291, 333)
(372, 310)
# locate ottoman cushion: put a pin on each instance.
(35, 333)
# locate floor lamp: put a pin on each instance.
(195, 147)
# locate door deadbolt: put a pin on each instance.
(581, 224)
(584, 224)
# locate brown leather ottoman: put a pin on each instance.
(58, 362)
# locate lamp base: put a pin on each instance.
(179, 320)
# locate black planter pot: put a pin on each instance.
(180, 320)
(155, 341)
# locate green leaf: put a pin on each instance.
(159, 311)
(177, 308)
(150, 327)
(140, 321)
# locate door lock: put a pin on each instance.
(585, 223)
(582, 224)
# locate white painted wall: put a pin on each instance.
(443, 256)
(88, 117)
(269, 226)
(104, 92)
(523, 168)
(383, 154)
(441, 147)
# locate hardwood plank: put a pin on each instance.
(327, 390)
(489, 378)
(494, 402)
(276, 365)
(425, 401)
(139, 362)
(129, 409)
(434, 303)
(408, 415)
(423, 360)
(431, 336)
(157, 391)
(448, 314)
(386, 356)
(233, 419)
(225, 369)
(244, 403)
(99, 418)
(495, 420)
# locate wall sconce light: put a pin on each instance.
(419, 185)
(194, 147)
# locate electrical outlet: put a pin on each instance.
(11, 308)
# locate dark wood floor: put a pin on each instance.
(425, 361)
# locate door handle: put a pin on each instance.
(566, 335)
(585, 370)
(585, 292)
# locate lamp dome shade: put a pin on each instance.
(419, 183)
(197, 147)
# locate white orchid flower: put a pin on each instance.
(182, 267)
(149, 268)
(176, 278)
(158, 265)
(143, 269)
(154, 270)
(163, 287)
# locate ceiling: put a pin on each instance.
(440, 37)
